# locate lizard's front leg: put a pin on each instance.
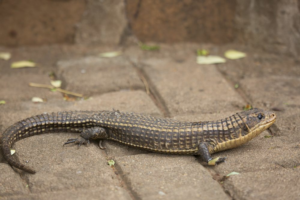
(205, 155)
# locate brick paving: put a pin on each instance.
(161, 85)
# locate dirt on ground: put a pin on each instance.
(165, 83)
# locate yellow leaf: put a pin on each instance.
(233, 54)
(111, 162)
(2, 102)
(233, 173)
(22, 64)
(56, 83)
(37, 99)
(110, 54)
(12, 151)
(5, 55)
(206, 60)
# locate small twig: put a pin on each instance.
(68, 92)
(41, 85)
(57, 89)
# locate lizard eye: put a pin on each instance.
(259, 116)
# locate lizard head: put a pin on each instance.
(257, 120)
(251, 123)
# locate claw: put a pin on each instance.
(216, 161)
(69, 141)
(220, 160)
(78, 141)
(100, 145)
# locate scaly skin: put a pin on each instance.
(146, 132)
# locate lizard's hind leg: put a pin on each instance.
(87, 134)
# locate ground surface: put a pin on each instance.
(167, 83)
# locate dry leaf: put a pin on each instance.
(233, 54)
(233, 173)
(110, 54)
(56, 83)
(12, 151)
(111, 162)
(206, 60)
(5, 55)
(37, 99)
(21, 64)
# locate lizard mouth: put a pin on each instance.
(272, 118)
(269, 121)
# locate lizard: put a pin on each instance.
(161, 135)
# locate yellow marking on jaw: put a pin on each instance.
(239, 140)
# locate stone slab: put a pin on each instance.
(95, 75)
(11, 183)
(282, 91)
(187, 87)
(269, 184)
(113, 192)
(158, 176)
(260, 154)
(62, 168)
(13, 87)
(114, 149)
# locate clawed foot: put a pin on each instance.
(216, 161)
(78, 141)
(100, 145)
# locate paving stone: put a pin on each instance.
(278, 91)
(260, 154)
(16, 87)
(187, 87)
(124, 101)
(158, 176)
(269, 184)
(95, 75)
(60, 167)
(11, 182)
(114, 149)
(113, 192)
